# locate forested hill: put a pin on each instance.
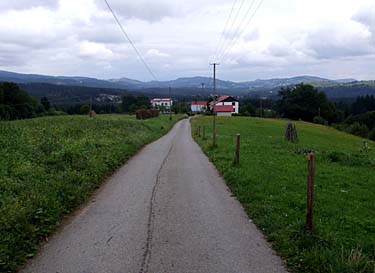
(68, 87)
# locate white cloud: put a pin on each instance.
(178, 38)
(95, 51)
(155, 53)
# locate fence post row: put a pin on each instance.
(310, 191)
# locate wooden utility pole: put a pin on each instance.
(202, 84)
(214, 111)
(170, 103)
(310, 191)
(90, 112)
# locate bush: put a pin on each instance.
(56, 113)
(147, 113)
(371, 135)
(358, 130)
(320, 120)
(84, 109)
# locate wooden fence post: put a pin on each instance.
(199, 131)
(310, 191)
(237, 155)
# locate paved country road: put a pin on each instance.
(167, 210)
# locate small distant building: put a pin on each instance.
(165, 103)
(198, 106)
(225, 106)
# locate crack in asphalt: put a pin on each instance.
(151, 217)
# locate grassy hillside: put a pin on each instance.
(271, 184)
(50, 165)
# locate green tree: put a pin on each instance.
(131, 103)
(127, 102)
(45, 102)
(84, 109)
(16, 103)
(305, 102)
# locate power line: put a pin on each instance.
(130, 41)
(234, 21)
(239, 26)
(248, 23)
(224, 30)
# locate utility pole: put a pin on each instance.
(170, 103)
(214, 112)
(202, 84)
(90, 113)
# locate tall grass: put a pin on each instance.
(48, 166)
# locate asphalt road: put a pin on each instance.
(167, 210)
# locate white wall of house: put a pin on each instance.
(165, 104)
(198, 108)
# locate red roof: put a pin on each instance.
(220, 99)
(199, 103)
(224, 108)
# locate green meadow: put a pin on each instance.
(270, 182)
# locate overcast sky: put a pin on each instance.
(328, 38)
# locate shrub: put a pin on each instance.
(147, 113)
(371, 135)
(358, 129)
(320, 120)
(84, 109)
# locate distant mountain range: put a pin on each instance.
(182, 87)
(188, 82)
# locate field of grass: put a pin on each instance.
(271, 184)
(48, 166)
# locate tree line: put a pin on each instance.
(16, 103)
(304, 102)
(300, 102)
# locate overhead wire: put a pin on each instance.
(243, 20)
(232, 24)
(243, 30)
(225, 29)
(131, 42)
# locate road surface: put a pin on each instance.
(167, 210)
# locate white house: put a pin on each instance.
(164, 102)
(198, 106)
(225, 106)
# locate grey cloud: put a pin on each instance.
(278, 50)
(104, 30)
(151, 11)
(365, 17)
(12, 55)
(252, 36)
(27, 4)
(331, 42)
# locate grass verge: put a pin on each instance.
(48, 166)
(271, 184)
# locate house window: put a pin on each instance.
(233, 103)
